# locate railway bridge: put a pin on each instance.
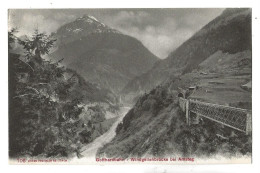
(235, 118)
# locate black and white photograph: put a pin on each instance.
(130, 86)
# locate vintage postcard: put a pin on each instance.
(130, 86)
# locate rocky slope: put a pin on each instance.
(100, 54)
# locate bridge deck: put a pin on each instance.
(236, 118)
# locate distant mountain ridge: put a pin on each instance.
(100, 54)
(230, 33)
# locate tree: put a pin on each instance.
(34, 111)
(11, 37)
(40, 44)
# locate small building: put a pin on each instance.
(193, 88)
(181, 92)
(203, 73)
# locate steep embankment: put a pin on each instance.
(156, 127)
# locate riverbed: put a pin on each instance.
(89, 151)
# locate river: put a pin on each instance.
(89, 151)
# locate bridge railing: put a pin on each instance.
(236, 118)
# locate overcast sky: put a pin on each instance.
(160, 30)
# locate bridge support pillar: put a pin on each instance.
(187, 112)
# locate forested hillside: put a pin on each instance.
(47, 112)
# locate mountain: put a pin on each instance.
(216, 60)
(100, 54)
(79, 28)
(88, 91)
(229, 33)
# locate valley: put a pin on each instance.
(210, 69)
(89, 90)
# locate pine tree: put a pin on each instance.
(40, 107)
(36, 46)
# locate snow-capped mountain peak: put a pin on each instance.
(82, 27)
